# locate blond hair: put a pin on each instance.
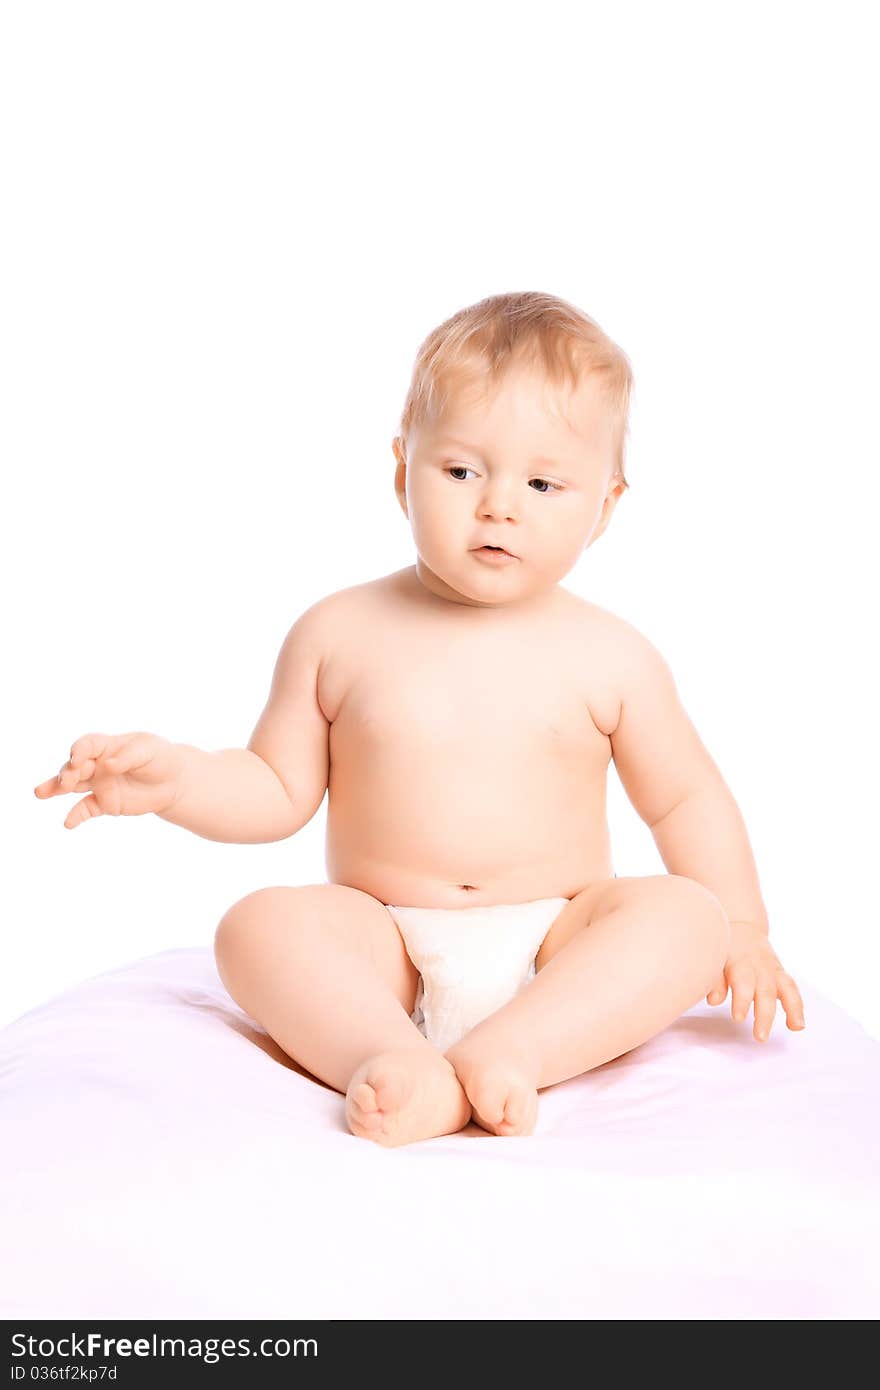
(483, 340)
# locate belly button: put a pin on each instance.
(467, 886)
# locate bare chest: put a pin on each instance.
(457, 697)
(465, 753)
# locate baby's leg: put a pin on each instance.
(324, 970)
(625, 959)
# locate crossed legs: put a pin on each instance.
(324, 970)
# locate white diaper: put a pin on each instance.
(472, 960)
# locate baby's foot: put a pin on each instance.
(401, 1096)
(501, 1090)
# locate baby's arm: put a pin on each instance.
(272, 788)
(676, 787)
(264, 792)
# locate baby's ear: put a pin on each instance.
(400, 474)
(611, 502)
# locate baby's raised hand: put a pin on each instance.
(754, 972)
(125, 775)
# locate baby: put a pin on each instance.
(473, 945)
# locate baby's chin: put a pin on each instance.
(482, 585)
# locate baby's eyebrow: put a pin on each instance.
(460, 444)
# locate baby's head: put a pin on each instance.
(513, 434)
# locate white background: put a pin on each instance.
(226, 229)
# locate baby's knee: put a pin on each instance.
(276, 918)
(240, 923)
(705, 913)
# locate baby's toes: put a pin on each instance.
(504, 1102)
(363, 1106)
(375, 1099)
(399, 1097)
(520, 1110)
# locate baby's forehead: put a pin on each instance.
(527, 402)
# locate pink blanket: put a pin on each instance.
(162, 1158)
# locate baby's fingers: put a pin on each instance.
(67, 780)
(742, 987)
(765, 1007)
(718, 993)
(132, 751)
(91, 747)
(791, 1002)
(83, 810)
(80, 766)
(50, 787)
(71, 777)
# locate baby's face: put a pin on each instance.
(510, 471)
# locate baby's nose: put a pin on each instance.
(497, 506)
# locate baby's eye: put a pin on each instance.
(463, 468)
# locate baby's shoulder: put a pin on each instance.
(601, 626)
(616, 654)
(344, 613)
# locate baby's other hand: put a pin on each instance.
(125, 775)
(754, 972)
